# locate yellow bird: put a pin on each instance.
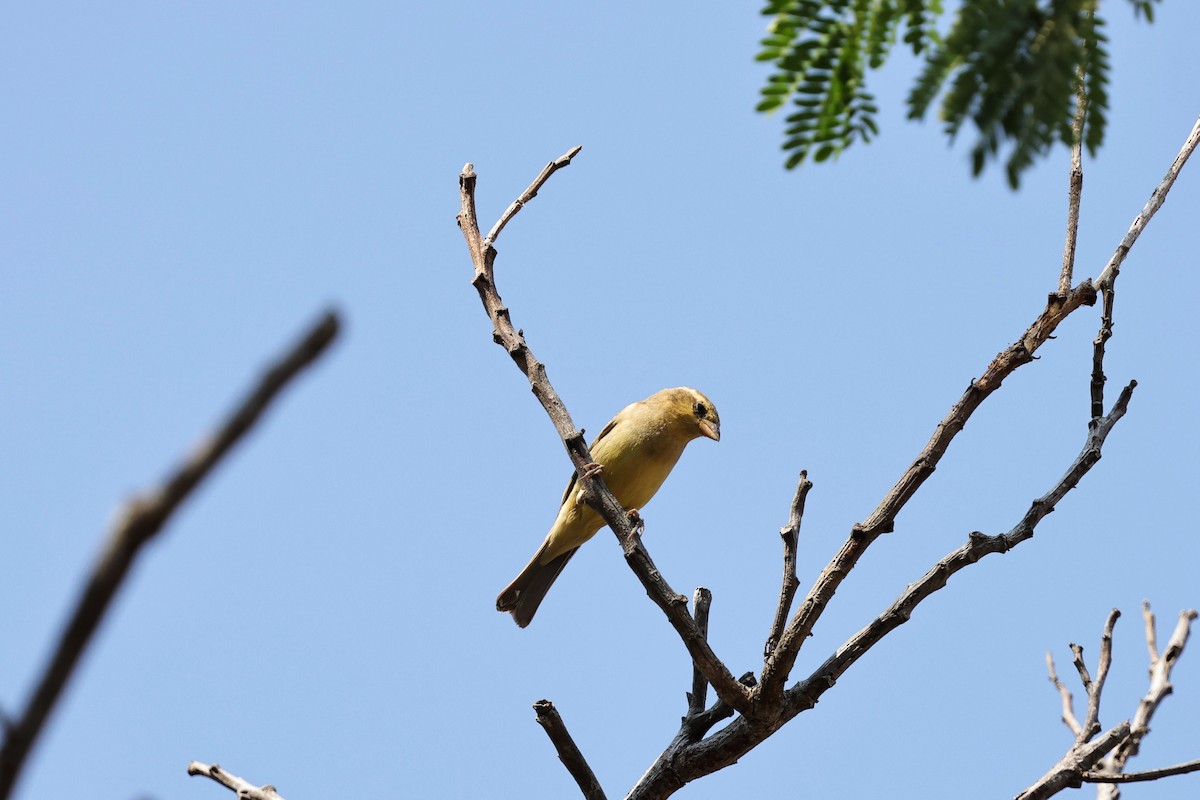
(637, 451)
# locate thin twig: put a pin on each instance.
(568, 753)
(1075, 189)
(1068, 702)
(1145, 775)
(1091, 724)
(530, 193)
(1081, 668)
(240, 786)
(139, 521)
(595, 492)
(791, 537)
(1151, 631)
(1157, 197)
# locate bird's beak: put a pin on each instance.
(710, 429)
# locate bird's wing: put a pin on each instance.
(612, 423)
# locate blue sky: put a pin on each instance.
(187, 185)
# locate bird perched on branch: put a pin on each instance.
(636, 452)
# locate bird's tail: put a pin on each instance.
(522, 597)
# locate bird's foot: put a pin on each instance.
(635, 519)
(592, 470)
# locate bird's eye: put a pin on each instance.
(701, 410)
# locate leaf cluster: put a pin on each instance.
(1010, 67)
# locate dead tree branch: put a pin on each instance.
(698, 696)
(1076, 767)
(791, 539)
(778, 665)
(568, 753)
(1075, 185)
(1146, 775)
(1091, 724)
(1160, 687)
(139, 521)
(1157, 197)
(1068, 702)
(1068, 773)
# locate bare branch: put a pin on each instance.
(791, 537)
(698, 696)
(1160, 685)
(1102, 336)
(1146, 775)
(882, 520)
(568, 753)
(1068, 702)
(1075, 189)
(1081, 668)
(595, 492)
(530, 193)
(1109, 274)
(1091, 724)
(805, 694)
(139, 521)
(240, 786)
(679, 765)
(1151, 633)
(1110, 770)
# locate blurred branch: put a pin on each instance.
(240, 786)
(138, 522)
(596, 493)
(568, 753)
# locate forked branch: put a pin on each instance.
(777, 666)
(1103, 761)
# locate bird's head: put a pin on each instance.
(697, 411)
